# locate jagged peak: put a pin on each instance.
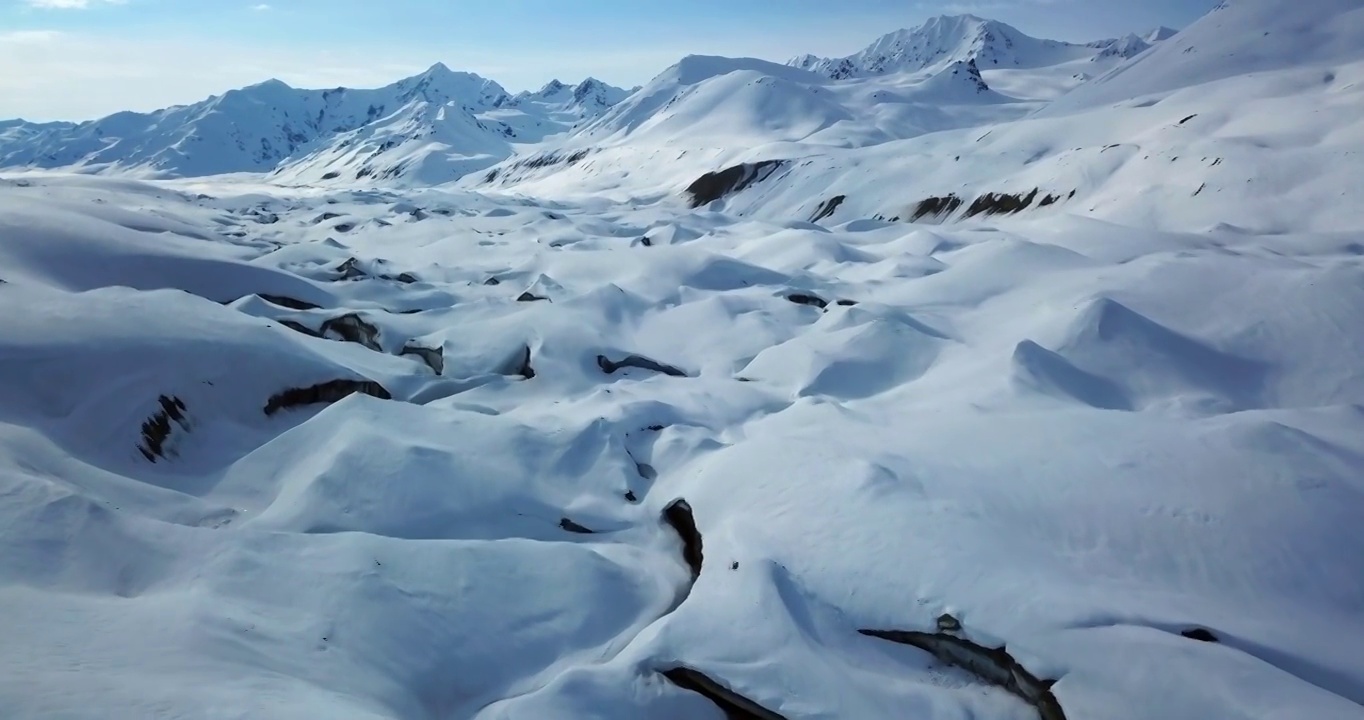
(939, 40)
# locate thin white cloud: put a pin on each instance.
(261, 7)
(69, 4)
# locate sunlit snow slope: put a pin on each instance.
(579, 440)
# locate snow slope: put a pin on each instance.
(708, 112)
(551, 444)
(1238, 39)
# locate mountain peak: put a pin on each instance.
(551, 87)
(942, 40)
(957, 19)
(271, 84)
(439, 69)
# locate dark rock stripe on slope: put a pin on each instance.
(433, 357)
(678, 515)
(734, 705)
(610, 366)
(827, 208)
(327, 392)
(156, 430)
(985, 205)
(994, 665)
(714, 185)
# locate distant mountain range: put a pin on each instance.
(433, 126)
(441, 125)
(961, 38)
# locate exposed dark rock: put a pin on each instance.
(492, 281)
(300, 327)
(288, 302)
(734, 705)
(405, 278)
(1049, 200)
(828, 207)
(630, 496)
(352, 328)
(1200, 634)
(807, 299)
(659, 428)
(156, 429)
(331, 175)
(847, 303)
(573, 527)
(433, 357)
(936, 207)
(324, 217)
(646, 242)
(679, 516)
(947, 623)
(1187, 119)
(550, 159)
(1001, 203)
(528, 296)
(994, 665)
(734, 565)
(610, 366)
(327, 392)
(646, 471)
(344, 227)
(520, 365)
(714, 185)
(350, 270)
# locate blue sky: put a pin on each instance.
(75, 59)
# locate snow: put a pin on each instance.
(427, 129)
(946, 39)
(1081, 429)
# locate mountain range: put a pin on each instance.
(432, 126)
(441, 125)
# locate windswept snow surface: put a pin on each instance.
(406, 453)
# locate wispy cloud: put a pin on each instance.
(261, 7)
(70, 4)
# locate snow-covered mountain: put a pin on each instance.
(946, 39)
(587, 99)
(440, 121)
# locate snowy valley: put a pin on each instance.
(972, 375)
